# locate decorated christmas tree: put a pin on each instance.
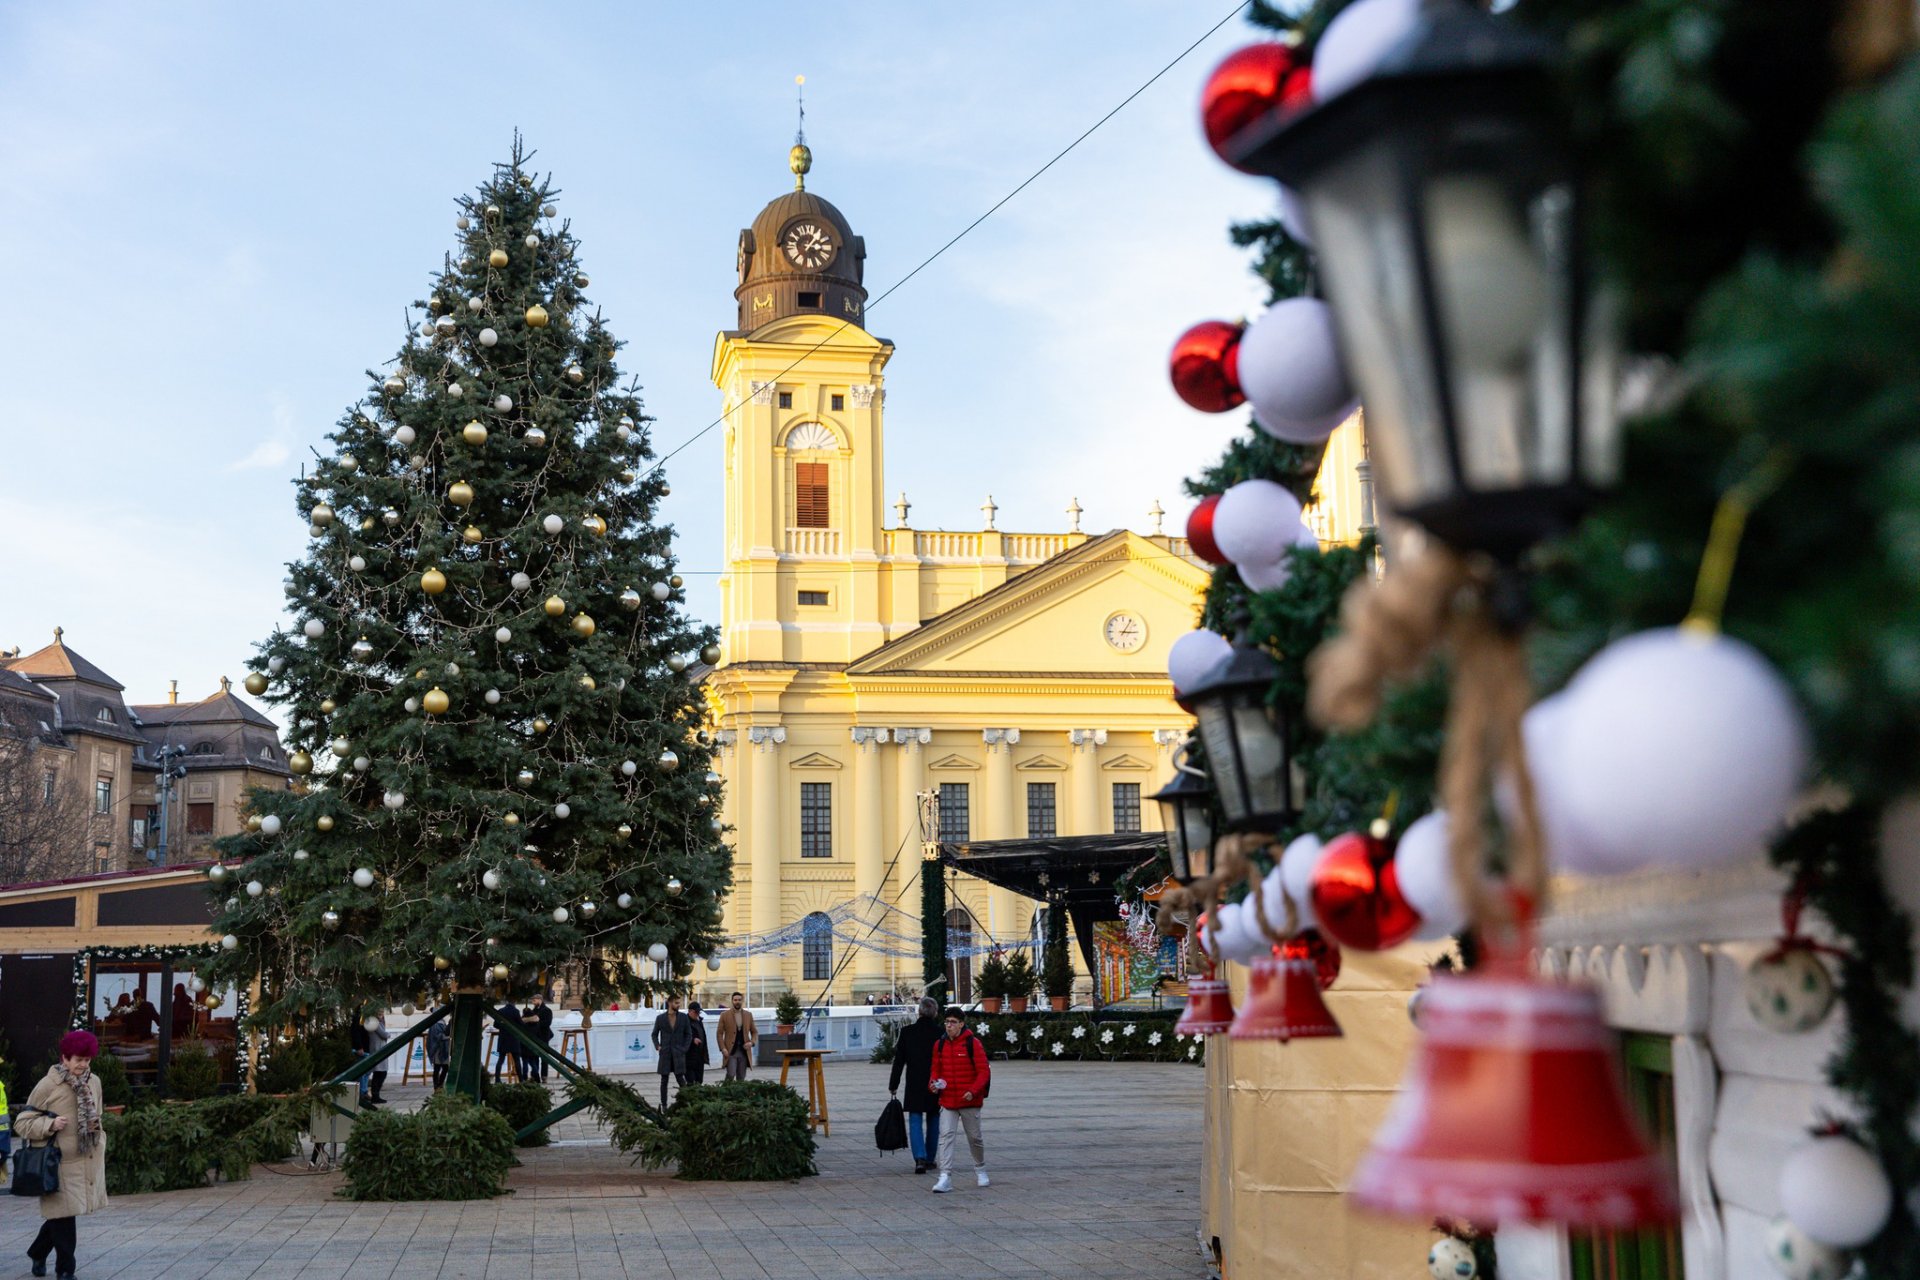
(502, 779)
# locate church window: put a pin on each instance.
(816, 819)
(809, 299)
(786, 399)
(813, 597)
(816, 947)
(810, 495)
(1126, 807)
(1042, 817)
(839, 402)
(955, 824)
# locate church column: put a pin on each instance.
(1086, 744)
(1005, 912)
(763, 837)
(869, 855)
(911, 763)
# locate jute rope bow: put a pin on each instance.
(1232, 860)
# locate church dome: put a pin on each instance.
(800, 257)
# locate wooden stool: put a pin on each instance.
(816, 1084)
(576, 1037)
(513, 1058)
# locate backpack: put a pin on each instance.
(987, 1088)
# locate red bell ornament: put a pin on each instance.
(1200, 531)
(1283, 1000)
(1513, 1112)
(1356, 895)
(1246, 85)
(1209, 1008)
(1205, 366)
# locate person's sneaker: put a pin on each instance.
(944, 1184)
(40, 1267)
(980, 1176)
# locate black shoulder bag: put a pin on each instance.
(36, 1169)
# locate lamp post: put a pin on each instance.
(1447, 219)
(1249, 751)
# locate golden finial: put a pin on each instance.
(800, 158)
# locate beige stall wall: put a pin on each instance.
(1287, 1123)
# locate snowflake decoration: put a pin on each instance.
(1154, 1039)
(1079, 1032)
(1193, 1050)
(981, 1029)
(1058, 1048)
(1013, 1037)
(1106, 1037)
(1037, 1032)
(1127, 1030)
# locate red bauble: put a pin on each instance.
(1205, 366)
(1356, 895)
(1200, 531)
(1325, 956)
(1297, 92)
(1248, 84)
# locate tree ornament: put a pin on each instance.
(711, 655)
(233, 903)
(1255, 521)
(255, 683)
(629, 768)
(580, 280)
(341, 747)
(390, 517)
(1833, 1189)
(1290, 370)
(404, 434)
(394, 799)
(299, 763)
(563, 810)
(532, 241)
(362, 649)
(555, 606)
(488, 337)
(253, 822)
(503, 402)
(536, 316)
(433, 582)
(493, 212)
(270, 825)
(357, 563)
(1355, 41)
(661, 591)
(501, 973)
(676, 663)
(668, 761)
(476, 304)
(1356, 894)
(330, 920)
(561, 915)
(629, 599)
(595, 525)
(490, 878)
(300, 855)
(1451, 1258)
(321, 516)
(460, 493)
(674, 886)
(435, 702)
(471, 535)
(1193, 655)
(575, 374)
(520, 581)
(587, 683)
(552, 523)
(1202, 366)
(628, 475)
(1248, 84)
(1200, 531)
(394, 384)
(475, 434)
(216, 873)
(658, 953)
(713, 964)
(716, 826)
(441, 964)
(326, 706)
(255, 888)
(455, 390)
(623, 433)
(492, 697)
(314, 628)
(1673, 748)
(676, 581)
(624, 901)
(324, 822)
(362, 763)
(1798, 1256)
(1425, 871)
(588, 909)
(496, 259)
(511, 818)
(463, 222)
(276, 664)
(362, 878)
(535, 437)
(444, 326)
(1789, 989)
(228, 942)
(427, 329)
(502, 635)
(524, 777)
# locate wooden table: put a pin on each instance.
(816, 1084)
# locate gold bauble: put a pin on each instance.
(300, 763)
(256, 683)
(511, 819)
(676, 581)
(498, 258)
(536, 316)
(624, 831)
(555, 606)
(628, 475)
(433, 582)
(366, 524)
(474, 433)
(435, 701)
(460, 494)
(472, 534)
(583, 624)
(586, 682)
(539, 726)
(326, 706)
(324, 822)
(500, 973)
(596, 526)
(253, 822)
(442, 964)
(630, 599)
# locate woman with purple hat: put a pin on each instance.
(65, 1107)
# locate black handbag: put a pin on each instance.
(36, 1169)
(890, 1130)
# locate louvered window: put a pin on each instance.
(810, 495)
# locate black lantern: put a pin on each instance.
(1245, 735)
(1445, 213)
(1186, 812)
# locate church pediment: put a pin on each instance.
(953, 762)
(814, 760)
(1128, 762)
(1040, 762)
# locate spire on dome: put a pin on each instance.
(800, 158)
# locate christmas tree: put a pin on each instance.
(504, 781)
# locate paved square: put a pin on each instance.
(1096, 1170)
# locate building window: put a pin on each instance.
(838, 402)
(200, 819)
(48, 783)
(103, 795)
(139, 831)
(103, 856)
(816, 819)
(786, 399)
(816, 948)
(1126, 807)
(203, 748)
(104, 716)
(1043, 819)
(809, 299)
(813, 597)
(1653, 1254)
(955, 827)
(266, 753)
(810, 495)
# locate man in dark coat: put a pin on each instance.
(505, 1046)
(697, 1054)
(673, 1039)
(913, 1057)
(538, 1020)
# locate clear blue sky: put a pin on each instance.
(217, 213)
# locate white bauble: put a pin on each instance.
(1353, 43)
(532, 241)
(503, 402)
(713, 964)
(405, 435)
(463, 222)
(270, 825)
(276, 664)
(1297, 862)
(1193, 655)
(1266, 577)
(412, 705)
(521, 581)
(476, 304)
(199, 984)
(427, 329)
(1425, 873)
(1291, 373)
(657, 953)
(228, 942)
(560, 915)
(624, 901)
(1676, 749)
(361, 764)
(300, 855)
(255, 888)
(552, 524)
(1835, 1190)
(563, 810)
(490, 878)
(488, 337)
(1797, 1256)
(314, 628)
(623, 433)
(1789, 990)
(1540, 733)
(491, 697)
(1293, 216)
(1254, 522)
(455, 390)
(1451, 1258)
(660, 590)
(357, 563)
(629, 768)
(503, 634)
(394, 799)
(362, 878)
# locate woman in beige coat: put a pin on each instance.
(65, 1106)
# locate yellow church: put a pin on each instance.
(1014, 683)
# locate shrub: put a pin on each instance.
(450, 1149)
(193, 1072)
(1021, 978)
(739, 1131)
(786, 1010)
(991, 983)
(889, 1040)
(289, 1069)
(1056, 971)
(115, 1089)
(171, 1148)
(521, 1104)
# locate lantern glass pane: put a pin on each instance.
(1197, 827)
(1263, 756)
(1171, 821)
(1223, 761)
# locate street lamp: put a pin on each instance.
(1186, 813)
(1447, 220)
(1245, 734)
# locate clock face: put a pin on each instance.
(808, 245)
(1126, 633)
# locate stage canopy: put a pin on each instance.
(1077, 871)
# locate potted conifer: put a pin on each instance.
(991, 985)
(1020, 981)
(786, 1013)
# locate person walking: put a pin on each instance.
(505, 1044)
(539, 1018)
(439, 1053)
(697, 1054)
(960, 1077)
(737, 1037)
(65, 1107)
(673, 1039)
(913, 1062)
(377, 1038)
(361, 1044)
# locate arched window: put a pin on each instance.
(816, 947)
(104, 716)
(811, 449)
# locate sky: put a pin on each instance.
(218, 214)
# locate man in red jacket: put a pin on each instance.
(960, 1079)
